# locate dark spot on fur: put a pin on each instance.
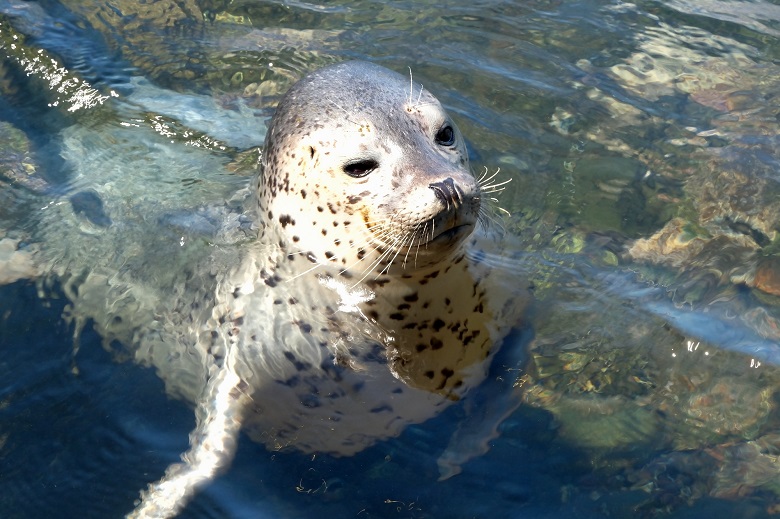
(286, 219)
(329, 255)
(292, 301)
(311, 257)
(291, 382)
(300, 366)
(404, 306)
(438, 324)
(303, 193)
(310, 401)
(305, 327)
(353, 199)
(421, 347)
(324, 232)
(411, 298)
(397, 316)
(429, 374)
(382, 409)
(377, 283)
(271, 281)
(436, 344)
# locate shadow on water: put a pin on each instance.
(75, 428)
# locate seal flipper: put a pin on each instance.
(487, 407)
(212, 447)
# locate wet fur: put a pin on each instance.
(364, 304)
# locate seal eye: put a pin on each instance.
(360, 168)
(445, 136)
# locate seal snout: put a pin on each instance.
(448, 192)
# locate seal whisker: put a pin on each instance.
(419, 242)
(374, 264)
(399, 244)
(484, 178)
(495, 188)
(347, 114)
(488, 217)
(293, 278)
(414, 234)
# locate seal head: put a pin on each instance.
(370, 168)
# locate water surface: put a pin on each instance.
(642, 142)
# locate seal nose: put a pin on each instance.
(448, 192)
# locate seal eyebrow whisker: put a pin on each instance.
(419, 96)
(411, 86)
(414, 104)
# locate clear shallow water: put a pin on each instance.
(641, 139)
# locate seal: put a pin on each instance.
(367, 301)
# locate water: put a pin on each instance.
(642, 141)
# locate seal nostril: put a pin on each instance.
(448, 192)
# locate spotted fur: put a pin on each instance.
(366, 303)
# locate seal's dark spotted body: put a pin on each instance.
(366, 303)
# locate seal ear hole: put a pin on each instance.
(360, 168)
(445, 136)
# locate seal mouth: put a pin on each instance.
(452, 235)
